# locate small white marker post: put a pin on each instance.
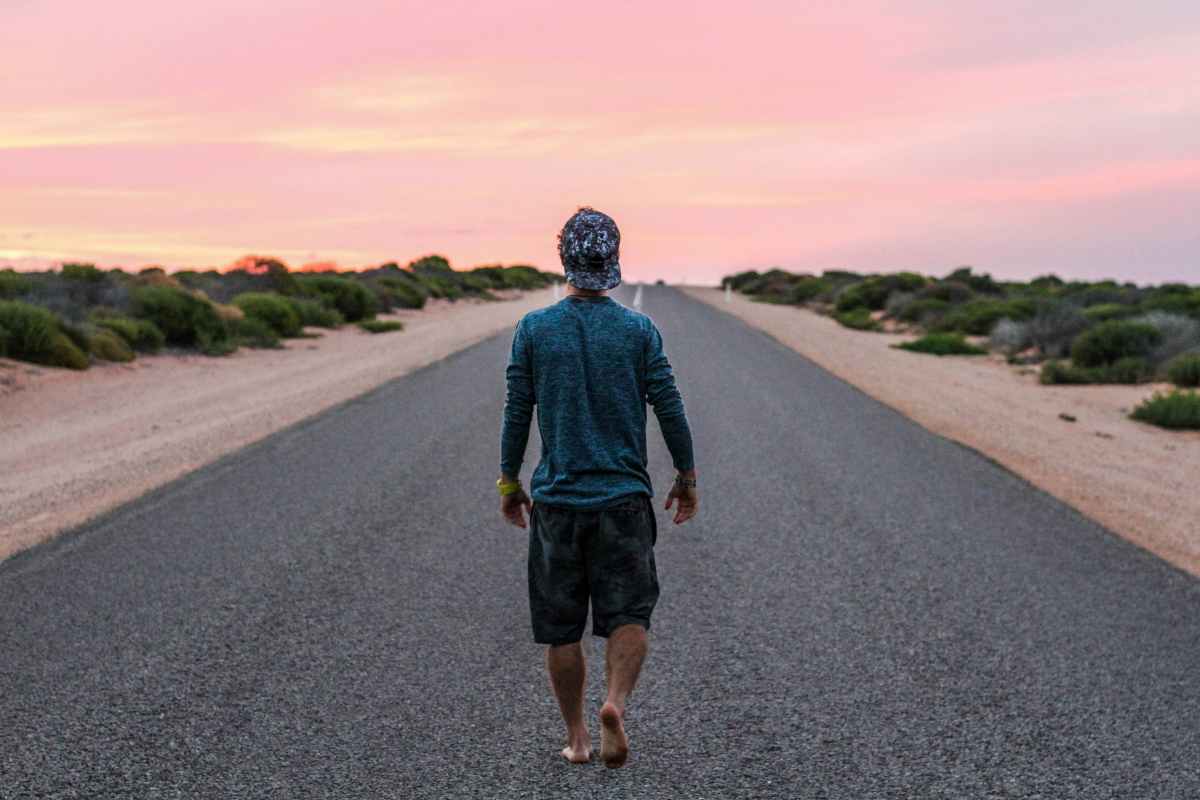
(637, 297)
(557, 297)
(728, 293)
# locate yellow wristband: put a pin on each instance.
(507, 488)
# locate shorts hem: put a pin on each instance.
(617, 622)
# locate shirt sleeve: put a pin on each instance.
(664, 397)
(518, 404)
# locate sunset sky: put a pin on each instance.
(1021, 137)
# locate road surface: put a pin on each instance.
(861, 610)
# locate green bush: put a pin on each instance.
(1112, 341)
(33, 334)
(1055, 326)
(314, 313)
(183, 319)
(83, 272)
(942, 344)
(1125, 370)
(13, 284)
(1185, 370)
(922, 310)
(1108, 311)
(978, 317)
(406, 295)
(947, 291)
(1056, 372)
(1131, 369)
(806, 289)
(1177, 410)
(140, 334)
(108, 345)
(255, 332)
(381, 325)
(857, 318)
(271, 309)
(349, 297)
(982, 283)
(4, 337)
(873, 292)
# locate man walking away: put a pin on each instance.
(591, 365)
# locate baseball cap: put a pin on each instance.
(589, 247)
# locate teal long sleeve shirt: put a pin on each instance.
(590, 366)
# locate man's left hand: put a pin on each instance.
(514, 506)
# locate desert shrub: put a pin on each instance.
(982, 282)
(1174, 299)
(873, 292)
(350, 298)
(271, 309)
(520, 276)
(254, 332)
(923, 310)
(1180, 334)
(1056, 372)
(33, 334)
(740, 280)
(1010, 336)
(4, 337)
(1130, 369)
(942, 344)
(1177, 410)
(977, 317)
(1101, 293)
(406, 295)
(107, 345)
(951, 292)
(183, 319)
(1184, 370)
(774, 282)
(1054, 326)
(806, 289)
(82, 272)
(381, 325)
(1124, 370)
(140, 334)
(314, 313)
(857, 318)
(1106, 311)
(13, 284)
(1111, 341)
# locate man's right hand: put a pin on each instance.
(688, 499)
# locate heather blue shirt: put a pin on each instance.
(590, 365)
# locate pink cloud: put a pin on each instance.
(865, 133)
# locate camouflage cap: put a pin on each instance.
(589, 247)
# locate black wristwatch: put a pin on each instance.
(686, 483)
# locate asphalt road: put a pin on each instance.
(861, 610)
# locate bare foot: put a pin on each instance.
(614, 746)
(577, 755)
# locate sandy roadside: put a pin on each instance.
(75, 444)
(1130, 477)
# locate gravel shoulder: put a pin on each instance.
(1130, 477)
(76, 444)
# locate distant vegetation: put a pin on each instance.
(79, 314)
(1081, 332)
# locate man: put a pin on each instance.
(591, 365)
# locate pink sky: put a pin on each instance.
(1020, 137)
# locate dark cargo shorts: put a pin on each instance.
(606, 555)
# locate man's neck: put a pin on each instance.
(575, 290)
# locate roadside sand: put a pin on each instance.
(1131, 478)
(75, 444)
